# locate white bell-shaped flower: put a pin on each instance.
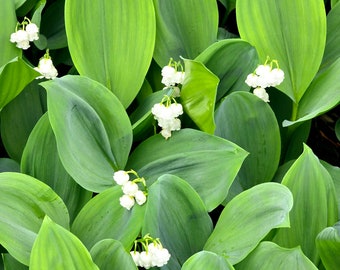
(261, 93)
(127, 201)
(121, 177)
(46, 68)
(32, 31)
(21, 39)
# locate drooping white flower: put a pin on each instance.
(159, 255)
(276, 77)
(46, 68)
(169, 76)
(130, 188)
(21, 39)
(140, 197)
(127, 201)
(261, 93)
(179, 77)
(263, 70)
(32, 31)
(252, 80)
(121, 177)
(145, 260)
(135, 256)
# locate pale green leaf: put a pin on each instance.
(206, 260)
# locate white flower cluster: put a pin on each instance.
(22, 37)
(263, 77)
(167, 117)
(131, 191)
(154, 255)
(46, 67)
(171, 76)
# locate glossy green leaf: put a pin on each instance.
(249, 122)
(109, 254)
(124, 35)
(57, 248)
(20, 116)
(204, 260)
(198, 95)
(103, 217)
(12, 264)
(40, 160)
(322, 95)
(275, 34)
(92, 130)
(177, 216)
(333, 3)
(231, 60)
(9, 165)
(328, 245)
(208, 163)
(247, 218)
(332, 50)
(184, 28)
(280, 259)
(313, 192)
(8, 49)
(32, 199)
(10, 85)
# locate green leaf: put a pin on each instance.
(231, 60)
(124, 35)
(8, 23)
(103, 217)
(208, 163)
(14, 76)
(244, 119)
(332, 50)
(313, 192)
(280, 259)
(199, 91)
(57, 248)
(328, 245)
(322, 95)
(12, 264)
(275, 34)
(40, 159)
(184, 28)
(109, 254)
(247, 218)
(20, 116)
(92, 130)
(24, 201)
(337, 129)
(177, 216)
(9, 165)
(206, 260)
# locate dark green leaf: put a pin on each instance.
(12, 264)
(208, 163)
(9, 165)
(184, 28)
(177, 216)
(92, 130)
(204, 260)
(109, 254)
(244, 119)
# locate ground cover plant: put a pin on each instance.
(167, 134)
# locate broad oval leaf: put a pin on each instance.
(248, 218)
(280, 259)
(208, 163)
(103, 217)
(322, 95)
(177, 216)
(198, 95)
(92, 130)
(184, 28)
(313, 192)
(207, 260)
(20, 116)
(9, 165)
(10, 85)
(32, 199)
(124, 35)
(328, 245)
(40, 159)
(231, 60)
(249, 122)
(275, 26)
(11, 264)
(110, 254)
(57, 248)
